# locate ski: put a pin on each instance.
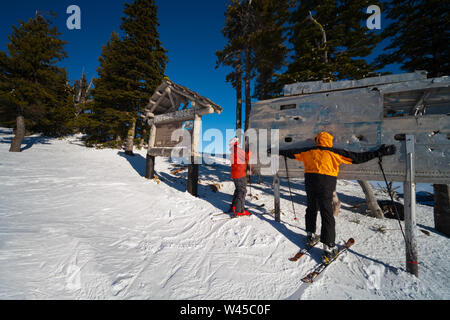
(231, 216)
(303, 251)
(220, 213)
(310, 277)
(256, 205)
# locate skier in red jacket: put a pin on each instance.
(239, 162)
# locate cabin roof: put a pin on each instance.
(169, 96)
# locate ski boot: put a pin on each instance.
(245, 213)
(329, 253)
(312, 239)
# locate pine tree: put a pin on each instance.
(7, 114)
(32, 86)
(231, 55)
(146, 59)
(330, 41)
(131, 69)
(254, 29)
(107, 119)
(269, 45)
(419, 36)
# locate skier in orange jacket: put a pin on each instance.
(321, 170)
(239, 164)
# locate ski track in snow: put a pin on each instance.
(80, 223)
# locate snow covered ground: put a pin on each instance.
(81, 223)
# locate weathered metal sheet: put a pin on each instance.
(320, 86)
(358, 120)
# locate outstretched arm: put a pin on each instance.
(361, 157)
(290, 153)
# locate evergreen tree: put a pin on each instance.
(254, 29)
(330, 41)
(131, 68)
(146, 57)
(32, 87)
(231, 55)
(7, 114)
(269, 45)
(419, 36)
(108, 118)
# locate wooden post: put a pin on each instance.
(150, 161)
(442, 208)
(150, 167)
(276, 196)
(410, 208)
(192, 183)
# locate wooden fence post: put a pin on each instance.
(409, 187)
(150, 160)
(442, 208)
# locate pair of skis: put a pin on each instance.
(319, 268)
(303, 251)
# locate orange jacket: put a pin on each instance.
(239, 160)
(324, 159)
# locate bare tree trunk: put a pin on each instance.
(324, 37)
(118, 142)
(248, 102)
(238, 93)
(372, 204)
(130, 138)
(16, 142)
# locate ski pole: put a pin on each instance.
(289, 185)
(380, 159)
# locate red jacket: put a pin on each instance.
(239, 160)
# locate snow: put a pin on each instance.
(82, 223)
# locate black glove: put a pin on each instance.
(287, 153)
(385, 150)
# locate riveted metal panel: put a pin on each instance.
(359, 121)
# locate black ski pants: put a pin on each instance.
(239, 194)
(319, 193)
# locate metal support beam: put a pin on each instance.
(410, 208)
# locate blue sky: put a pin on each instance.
(189, 30)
